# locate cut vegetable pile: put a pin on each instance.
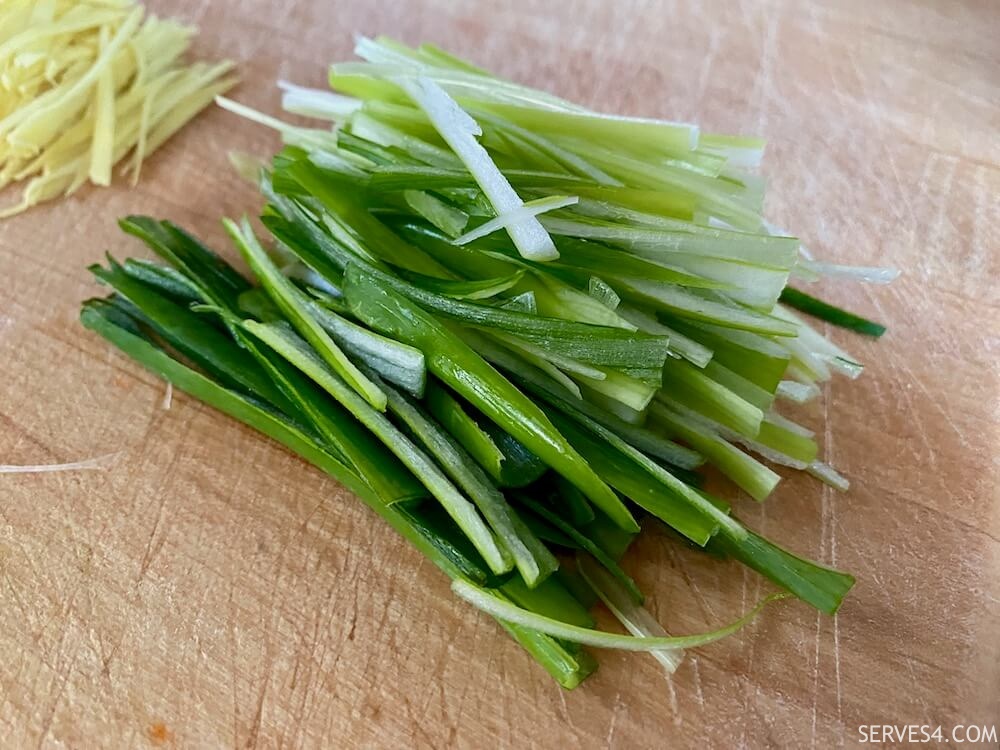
(86, 83)
(515, 328)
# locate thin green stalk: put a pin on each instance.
(450, 359)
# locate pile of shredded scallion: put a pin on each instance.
(515, 328)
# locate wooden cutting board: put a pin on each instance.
(209, 589)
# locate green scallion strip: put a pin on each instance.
(444, 216)
(585, 544)
(296, 307)
(571, 502)
(569, 669)
(463, 428)
(502, 609)
(167, 280)
(244, 409)
(636, 620)
(532, 558)
(284, 341)
(450, 359)
(536, 383)
(830, 313)
(395, 362)
(745, 471)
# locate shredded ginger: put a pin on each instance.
(86, 84)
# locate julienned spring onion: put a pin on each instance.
(830, 313)
(580, 310)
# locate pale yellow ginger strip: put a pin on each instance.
(185, 110)
(43, 188)
(104, 121)
(28, 59)
(43, 13)
(168, 118)
(43, 125)
(70, 76)
(83, 83)
(15, 18)
(152, 91)
(182, 99)
(29, 82)
(64, 57)
(135, 46)
(79, 19)
(163, 43)
(74, 142)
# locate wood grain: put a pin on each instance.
(211, 590)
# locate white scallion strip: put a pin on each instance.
(688, 304)
(316, 103)
(398, 363)
(168, 396)
(741, 152)
(829, 475)
(799, 393)
(444, 216)
(503, 610)
(658, 243)
(801, 272)
(815, 349)
(549, 369)
(785, 423)
(343, 162)
(460, 131)
(756, 286)
(633, 393)
(800, 350)
(372, 129)
(568, 159)
(738, 158)
(746, 471)
(89, 464)
(253, 115)
(847, 367)
(767, 453)
(532, 357)
(560, 300)
(602, 209)
(776, 231)
(691, 350)
(566, 363)
(305, 137)
(599, 289)
(613, 405)
(635, 618)
(705, 423)
(868, 274)
(301, 272)
(523, 302)
(385, 60)
(505, 221)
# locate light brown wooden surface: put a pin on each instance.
(211, 590)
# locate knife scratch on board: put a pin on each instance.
(613, 724)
